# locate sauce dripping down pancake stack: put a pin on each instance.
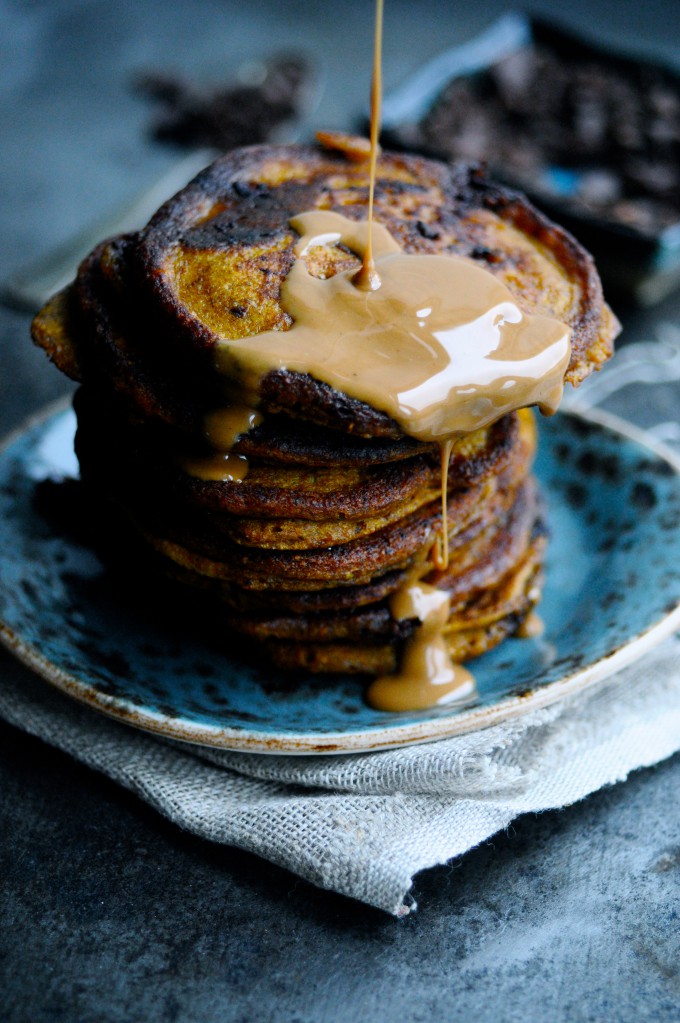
(296, 521)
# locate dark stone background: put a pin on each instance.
(107, 912)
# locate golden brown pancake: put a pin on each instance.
(151, 307)
(340, 495)
(203, 544)
(495, 556)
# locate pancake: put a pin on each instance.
(266, 508)
(482, 628)
(152, 306)
(492, 578)
(195, 542)
(300, 534)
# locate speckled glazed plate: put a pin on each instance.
(613, 590)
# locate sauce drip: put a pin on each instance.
(222, 427)
(427, 677)
(437, 343)
(367, 277)
(440, 550)
(222, 466)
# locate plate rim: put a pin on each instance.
(466, 720)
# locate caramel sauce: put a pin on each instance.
(367, 277)
(442, 346)
(222, 466)
(440, 550)
(222, 427)
(427, 676)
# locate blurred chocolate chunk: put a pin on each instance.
(598, 136)
(223, 117)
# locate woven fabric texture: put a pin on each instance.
(364, 825)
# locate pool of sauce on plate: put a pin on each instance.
(427, 675)
(433, 340)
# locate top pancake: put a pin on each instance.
(147, 310)
(213, 259)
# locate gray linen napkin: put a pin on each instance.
(364, 824)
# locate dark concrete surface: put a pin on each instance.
(108, 913)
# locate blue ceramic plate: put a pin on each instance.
(613, 590)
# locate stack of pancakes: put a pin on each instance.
(337, 508)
